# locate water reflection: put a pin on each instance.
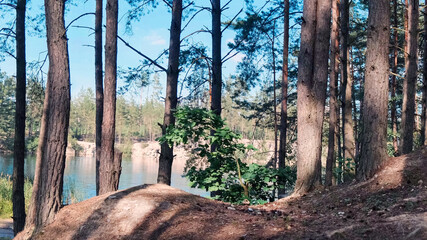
(79, 176)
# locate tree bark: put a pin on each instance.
(347, 120)
(107, 170)
(171, 101)
(50, 162)
(216, 57)
(349, 140)
(409, 84)
(18, 198)
(333, 103)
(312, 81)
(99, 86)
(374, 137)
(424, 98)
(284, 104)
(393, 114)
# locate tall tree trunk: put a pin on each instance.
(109, 168)
(393, 114)
(274, 97)
(349, 140)
(50, 163)
(312, 81)
(98, 85)
(374, 137)
(346, 89)
(284, 105)
(333, 103)
(216, 57)
(166, 154)
(424, 99)
(18, 198)
(409, 84)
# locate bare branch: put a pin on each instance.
(225, 60)
(187, 6)
(8, 5)
(10, 54)
(77, 18)
(232, 20)
(225, 5)
(192, 17)
(141, 54)
(189, 35)
(85, 27)
(167, 4)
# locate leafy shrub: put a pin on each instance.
(225, 174)
(6, 195)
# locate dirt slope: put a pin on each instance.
(393, 205)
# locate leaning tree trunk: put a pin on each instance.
(46, 199)
(284, 105)
(424, 99)
(333, 103)
(18, 198)
(166, 153)
(374, 130)
(409, 84)
(393, 85)
(216, 57)
(99, 86)
(312, 81)
(109, 168)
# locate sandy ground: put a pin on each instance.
(392, 205)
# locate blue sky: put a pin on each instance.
(150, 36)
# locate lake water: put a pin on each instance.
(80, 174)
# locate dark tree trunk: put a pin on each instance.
(216, 57)
(374, 130)
(393, 114)
(409, 84)
(312, 81)
(349, 140)
(424, 99)
(49, 173)
(166, 153)
(18, 198)
(333, 103)
(99, 86)
(108, 171)
(284, 105)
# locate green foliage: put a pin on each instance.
(7, 111)
(6, 195)
(225, 173)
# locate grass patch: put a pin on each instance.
(6, 195)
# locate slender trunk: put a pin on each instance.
(99, 86)
(424, 99)
(333, 103)
(109, 168)
(374, 138)
(347, 130)
(19, 142)
(409, 84)
(274, 98)
(216, 57)
(50, 162)
(166, 154)
(312, 81)
(284, 105)
(393, 114)
(349, 147)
